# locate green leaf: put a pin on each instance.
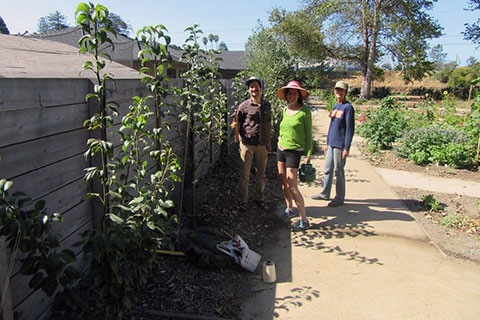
(69, 256)
(7, 185)
(136, 200)
(40, 205)
(116, 218)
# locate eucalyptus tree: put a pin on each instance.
(54, 21)
(361, 31)
(472, 30)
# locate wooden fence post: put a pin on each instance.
(7, 312)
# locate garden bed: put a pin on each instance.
(184, 288)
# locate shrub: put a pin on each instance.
(381, 92)
(384, 126)
(454, 154)
(418, 143)
(436, 144)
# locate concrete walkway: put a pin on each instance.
(368, 259)
(396, 178)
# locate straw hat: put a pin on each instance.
(292, 85)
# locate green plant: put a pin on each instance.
(431, 203)
(417, 144)
(27, 228)
(203, 109)
(384, 126)
(155, 59)
(97, 28)
(135, 198)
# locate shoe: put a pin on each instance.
(333, 204)
(301, 225)
(320, 196)
(287, 214)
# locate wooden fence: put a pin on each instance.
(42, 145)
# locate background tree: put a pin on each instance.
(205, 42)
(268, 58)
(3, 27)
(211, 38)
(119, 25)
(438, 56)
(361, 31)
(54, 21)
(471, 61)
(472, 30)
(222, 46)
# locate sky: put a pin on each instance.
(232, 20)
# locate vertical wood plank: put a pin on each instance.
(7, 312)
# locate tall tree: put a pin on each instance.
(3, 27)
(54, 21)
(361, 31)
(211, 38)
(205, 41)
(472, 30)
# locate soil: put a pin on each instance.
(182, 287)
(461, 241)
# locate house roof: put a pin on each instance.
(28, 57)
(232, 60)
(126, 49)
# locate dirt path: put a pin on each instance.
(368, 259)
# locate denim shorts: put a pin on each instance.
(291, 157)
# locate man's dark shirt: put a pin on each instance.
(253, 120)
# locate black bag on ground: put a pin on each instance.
(202, 249)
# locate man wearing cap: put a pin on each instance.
(253, 120)
(339, 139)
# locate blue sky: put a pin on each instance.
(232, 20)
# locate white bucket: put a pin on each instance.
(269, 273)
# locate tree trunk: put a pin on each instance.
(372, 51)
(364, 58)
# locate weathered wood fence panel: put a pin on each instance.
(42, 145)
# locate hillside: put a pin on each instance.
(393, 80)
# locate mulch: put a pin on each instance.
(181, 288)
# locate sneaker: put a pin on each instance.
(333, 204)
(320, 196)
(289, 213)
(301, 225)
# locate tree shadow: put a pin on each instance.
(298, 297)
